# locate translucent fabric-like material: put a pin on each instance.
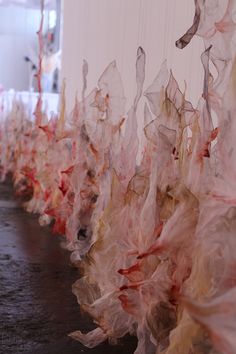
(155, 240)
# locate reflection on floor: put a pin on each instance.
(37, 307)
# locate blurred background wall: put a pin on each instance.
(19, 23)
(18, 26)
(98, 31)
(103, 30)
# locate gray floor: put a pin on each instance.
(37, 307)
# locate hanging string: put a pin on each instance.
(38, 110)
(190, 62)
(145, 23)
(139, 23)
(123, 35)
(164, 52)
(142, 23)
(172, 35)
(40, 43)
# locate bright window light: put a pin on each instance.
(52, 18)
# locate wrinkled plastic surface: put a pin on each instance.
(156, 240)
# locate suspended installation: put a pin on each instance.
(155, 240)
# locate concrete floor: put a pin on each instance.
(37, 307)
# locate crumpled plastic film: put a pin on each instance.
(155, 240)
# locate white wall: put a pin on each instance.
(103, 30)
(18, 28)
